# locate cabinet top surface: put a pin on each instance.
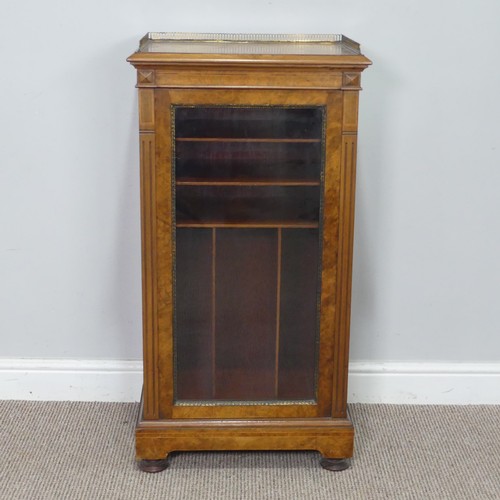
(169, 47)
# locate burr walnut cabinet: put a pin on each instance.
(248, 152)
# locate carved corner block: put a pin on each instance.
(351, 81)
(145, 77)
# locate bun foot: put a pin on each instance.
(335, 464)
(152, 465)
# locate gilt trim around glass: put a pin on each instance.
(247, 402)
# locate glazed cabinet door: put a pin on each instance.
(246, 188)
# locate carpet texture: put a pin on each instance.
(85, 451)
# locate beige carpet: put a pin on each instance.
(85, 451)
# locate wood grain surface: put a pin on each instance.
(321, 423)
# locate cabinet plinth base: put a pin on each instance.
(335, 464)
(332, 437)
(152, 465)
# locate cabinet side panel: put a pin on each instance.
(347, 194)
(150, 330)
(165, 250)
(345, 264)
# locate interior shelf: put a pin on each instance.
(243, 139)
(247, 182)
(250, 225)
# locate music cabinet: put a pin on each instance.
(247, 152)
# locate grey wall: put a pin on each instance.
(427, 272)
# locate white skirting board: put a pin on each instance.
(424, 383)
(121, 381)
(70, 380)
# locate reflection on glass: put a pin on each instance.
(248, 200)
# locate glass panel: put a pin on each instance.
(247, 204)
(194, 313)
(298, 313)
(247, 161)
(248, 189)
(250, 123)
(245, 324)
